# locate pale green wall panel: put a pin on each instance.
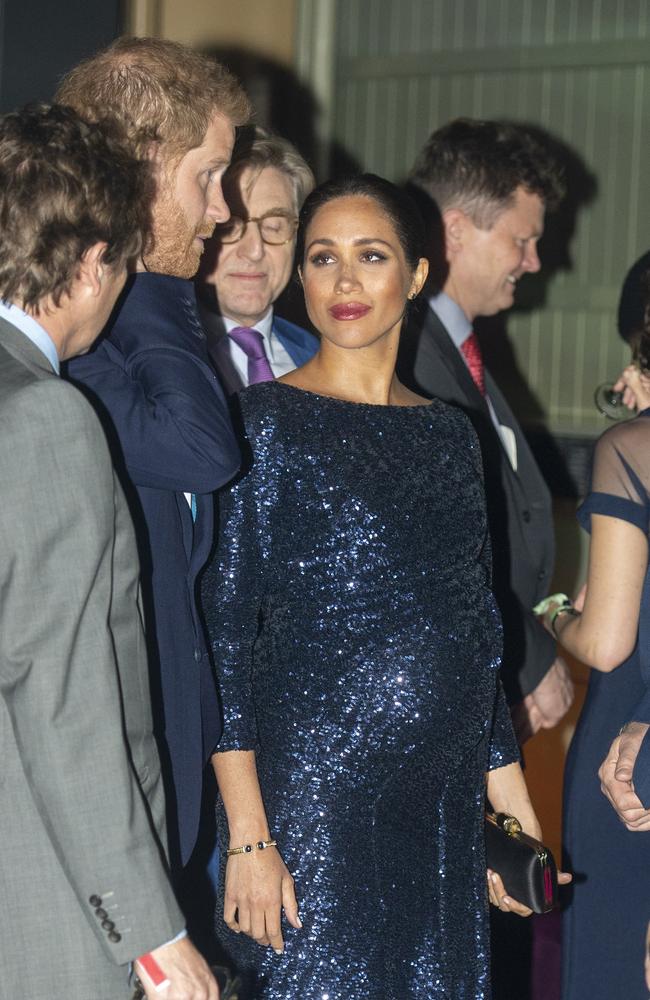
(577, 67)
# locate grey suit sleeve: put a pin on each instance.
(71, 651)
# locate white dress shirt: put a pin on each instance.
(231, 361)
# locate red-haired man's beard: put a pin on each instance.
(174, 247)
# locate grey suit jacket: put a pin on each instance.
(518, 503)
(83, 881)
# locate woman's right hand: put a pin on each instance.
(258, 887)
(635, 387)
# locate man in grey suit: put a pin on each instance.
(83, 878)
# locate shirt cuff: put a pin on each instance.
(179, 937)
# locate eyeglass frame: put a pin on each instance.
(258, 220)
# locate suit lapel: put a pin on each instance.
(296, 350)
(431, 349)
(454, 361)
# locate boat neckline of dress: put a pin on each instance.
(351, 402)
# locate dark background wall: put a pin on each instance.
(41, 39)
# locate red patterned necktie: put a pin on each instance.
(471, 350)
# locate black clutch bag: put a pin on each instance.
(527, 868)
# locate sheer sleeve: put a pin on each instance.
(233, 590)
(620, 484)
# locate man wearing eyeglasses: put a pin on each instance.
(248, 262)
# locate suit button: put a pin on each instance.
(102, 914)
(114, 937)
(108, 925)
(541, 575)
(95, 901)
(526, 515)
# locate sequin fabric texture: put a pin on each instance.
(357, 646)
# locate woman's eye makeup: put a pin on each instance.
(320, 258)
(366, 257)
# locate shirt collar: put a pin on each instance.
(263, 326)
(452, 318)
(33, 330)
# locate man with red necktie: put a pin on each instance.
(248, 263)
(491, 183)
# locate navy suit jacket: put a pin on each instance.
(299, 344)
(518, 502)
(167, 422)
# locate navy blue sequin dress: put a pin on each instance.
(357, 646)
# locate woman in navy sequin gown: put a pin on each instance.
(357, 646)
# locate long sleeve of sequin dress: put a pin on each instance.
(357, 645)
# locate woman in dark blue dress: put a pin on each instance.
(605, 923)
(357, 646)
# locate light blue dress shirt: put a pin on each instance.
(452, 318)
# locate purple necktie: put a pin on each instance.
(252, 344)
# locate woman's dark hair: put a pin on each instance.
(396, 205)
(634, 297)
(640, 341)
(633, 318)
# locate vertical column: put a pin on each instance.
(315, 62)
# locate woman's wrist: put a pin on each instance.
(248, 834)
(506, 790)
(250, 847)
(560, 617)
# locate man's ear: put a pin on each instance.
(454, 222)
(91, 269)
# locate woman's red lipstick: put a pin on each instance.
(349, 310)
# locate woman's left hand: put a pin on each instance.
(507, 792)
(635, 386)
(499, 897)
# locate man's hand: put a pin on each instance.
(188, 973)
(544, 707)
(615, 775)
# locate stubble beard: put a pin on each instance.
(172, 249)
